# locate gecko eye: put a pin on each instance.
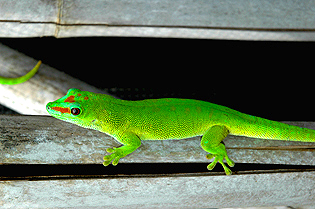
(75, 111)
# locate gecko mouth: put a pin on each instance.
(55, 110)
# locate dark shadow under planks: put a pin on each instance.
(46, 140)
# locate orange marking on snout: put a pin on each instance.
(79, 95)
(61, 109)
(70, 99)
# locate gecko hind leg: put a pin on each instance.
(212, 142)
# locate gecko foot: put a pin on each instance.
(219, 158)
(118, 153)
(113, 158)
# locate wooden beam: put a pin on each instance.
(229, 19)
(294, 189)
(46, 140)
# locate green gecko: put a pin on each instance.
(18, 80)
(129, 122)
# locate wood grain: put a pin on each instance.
(228, 19)
(43, 139)
(293, 189)
(46, 140)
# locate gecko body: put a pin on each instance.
(129, 122)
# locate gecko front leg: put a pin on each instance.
(130, 143)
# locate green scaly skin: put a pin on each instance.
(129, 122)
(13, 81)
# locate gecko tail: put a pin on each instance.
(18, 80)
(256, 127)
(268, 129)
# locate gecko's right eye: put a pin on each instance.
(75, 111)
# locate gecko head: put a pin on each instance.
(70, 107)
(82, 108)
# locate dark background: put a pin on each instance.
(273, 80)
(267, 79)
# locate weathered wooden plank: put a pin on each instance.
(61, 31)
(224, 14)
(273, 189)
(47, 85)
(42, 139)
(228, 19)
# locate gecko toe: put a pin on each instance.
(106, 163)
(111, 150)
(219, 158)
(212, 165)
(229, 161)
(112, 158)
(210, 156)
(115, 161)
(108, 159)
